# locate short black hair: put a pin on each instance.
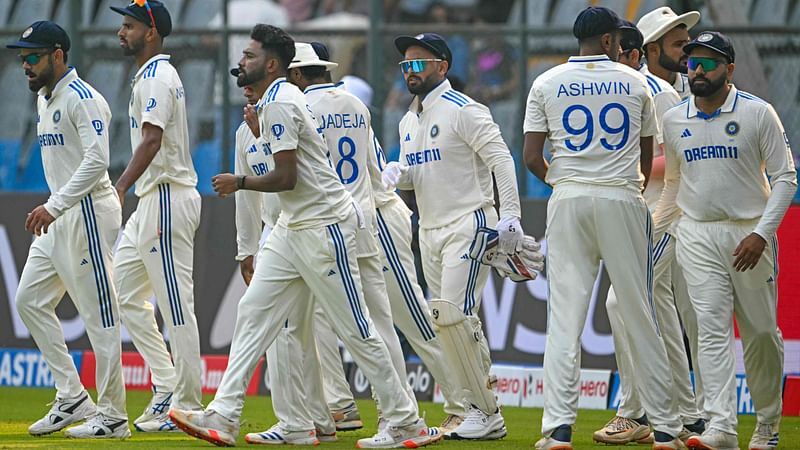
(313, 72)
(275, 40)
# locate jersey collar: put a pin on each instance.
(418, 105)
(589, 58)
(68, 77)
(322, 87)
(727, 107)
(141, 70)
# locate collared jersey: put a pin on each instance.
(664, 98)
(440, 141)
(157, 97)
(286, 123)
(594, 111)
(72, 131)
(681, 85)
(345, 123)
(252, 207)
(723, 160)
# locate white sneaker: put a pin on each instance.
(161, 424)
(549, 443)
(157, 410)
(64, 412)
(206, 425)
(621, 430)
(479, 425)
(280, 435)
(713, 439)
(765, 437)
(450, 423)
(100, 427)
(347, 418)
(411, 436)
(326, 437)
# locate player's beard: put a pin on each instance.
(42, 79)
(671, 64)
(710, 87)
(133, 47)
(248, 77)
(424, 85)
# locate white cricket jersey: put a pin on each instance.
(376, 163)
(252, 207)
(72, 130)
(594, 111)
(448, 140)
(664, 98)
(681, 85)
(157, 98)
(286, 122)
(723, 161)
(345, 123)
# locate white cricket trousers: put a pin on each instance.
(453, 276)
(631, 404)
(587, 223)
(156, 255)
(75, 256)
(717, 292)
(293, 265)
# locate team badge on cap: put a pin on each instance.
(704, 37)
(27, 32)
(434, 131)
(732, 128)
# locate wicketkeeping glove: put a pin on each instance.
(519, 266)
(511, 235)
(391, 174)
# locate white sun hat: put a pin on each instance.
(305, 55)
(659, 21)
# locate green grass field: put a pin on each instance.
(22, 406)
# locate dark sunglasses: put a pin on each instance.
(415, 65)
(708, 64)
(33, 58)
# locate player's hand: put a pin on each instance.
(510, 235)
(246, 268)
(120, 195)
(38, 220)
(224, 184)
(748, 252)
(391, 174)
(251, 119)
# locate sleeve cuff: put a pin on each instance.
(52, 208)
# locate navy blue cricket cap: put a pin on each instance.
(594, 21)
(43, 34)
(632, 38)
(713, 40)
(163, 21)
(429, 41)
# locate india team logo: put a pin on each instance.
(27, 32)
(277, 130)
(57, 116)
(732, 128)
(434, 131)
(704, 37)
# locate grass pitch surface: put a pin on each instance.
(23, 406)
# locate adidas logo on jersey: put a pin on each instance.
(408, 137)
(385, 269)
(686, 133)
(771, 279)
(84, 262)
(331, 272)
(153, 250)
(464, 257)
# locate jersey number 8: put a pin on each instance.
(588, 127)
(346, 142)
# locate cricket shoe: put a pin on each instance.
(713, 439)
(63, 412)
(100, 427)
(156, 415)
(347, 418)
(664, 441)
(559, 439)
(694, 429)
(450, 423)
(280, 435)
(765, 437)
(411, 436)
(620, 431)
(479, 425)
(326, 437)
(206, 425)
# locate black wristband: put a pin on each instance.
(240, 182)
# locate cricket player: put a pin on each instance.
(156, 252)
(599, 118)
(630, 424)
(665, 34)
(75, 233)
(449, 149)
(730, 171)
(311, 250)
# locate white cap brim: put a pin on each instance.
(688, 19)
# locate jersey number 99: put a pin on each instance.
(588, 127)
(347, 150)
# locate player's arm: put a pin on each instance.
(248, 212)
(666, 210)
(90, 117)
(156, 113)
(395, 173)
(650, 129)
(375, 162)
(777, 154)
(662, 102)
(535, 128)
(646, 160)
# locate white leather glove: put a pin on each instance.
(510, 235)
(391, 174)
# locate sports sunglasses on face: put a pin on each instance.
(32, 58)
(415, 65)
(708, 64)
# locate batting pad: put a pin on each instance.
(461, 343)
